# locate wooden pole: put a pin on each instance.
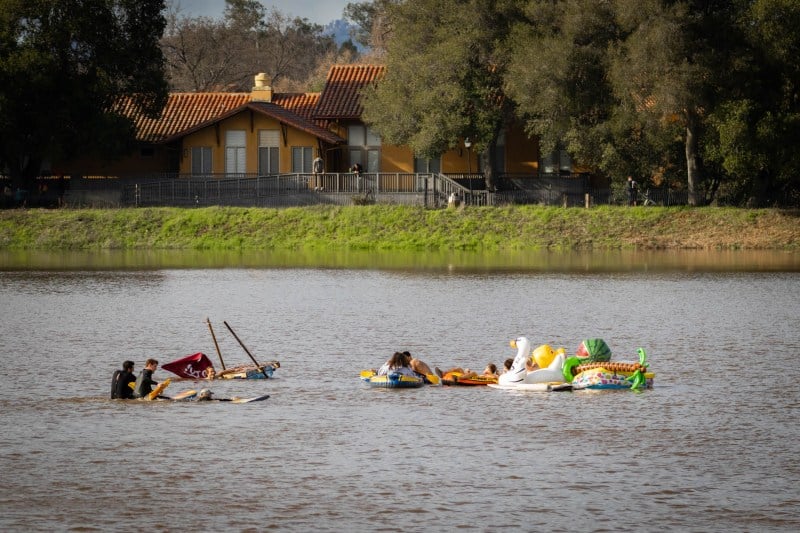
(216, 345)
(235, 336)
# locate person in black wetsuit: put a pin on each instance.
(120, 383)
(144, 383)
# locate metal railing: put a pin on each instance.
(425, 189)
(279, 190)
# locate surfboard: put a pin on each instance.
(533, 387)
(185, 395)
(248, 400)
(158, 390)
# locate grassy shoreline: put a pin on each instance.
(400, 228)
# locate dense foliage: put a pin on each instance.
(445, 76)
(703, 95)
(63, 63)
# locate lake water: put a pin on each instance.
(713, 447)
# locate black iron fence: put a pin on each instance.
(424, 189)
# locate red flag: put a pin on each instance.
(193, 366)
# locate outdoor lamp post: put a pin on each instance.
(468, 146)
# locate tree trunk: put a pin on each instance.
(760, 190)
(692, 170)
(489, 164)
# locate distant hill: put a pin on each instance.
(340, 30)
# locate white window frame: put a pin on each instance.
(235, 152)
(302, 159)
(269, 152)
(202, 161)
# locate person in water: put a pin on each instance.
(144, 383)
(121, 382)
(418, 366)
(490, 371)
(397, 363)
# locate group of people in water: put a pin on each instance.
(121, 387)
(399, 362)
(403, 363)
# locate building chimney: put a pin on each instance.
(261, 91)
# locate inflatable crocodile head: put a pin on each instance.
(593, 351)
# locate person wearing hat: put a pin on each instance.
(121, 382)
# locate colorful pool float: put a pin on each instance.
(590, 368)
(457, 378)
(601, 378)
(393, 380)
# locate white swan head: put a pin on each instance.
(517, 372)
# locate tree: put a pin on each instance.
(209, 55)
(199, 54)
(558, 76)
(627, 78)
(292, 47)
(754, 131)
(445, 70)
(63, 66)
(372, 23)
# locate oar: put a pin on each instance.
(235, 336)
(216, 345)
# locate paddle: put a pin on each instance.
(235, 336)
(216, 345)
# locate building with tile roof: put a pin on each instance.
(261, 132)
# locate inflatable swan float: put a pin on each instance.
(551, 363)
(517, 373)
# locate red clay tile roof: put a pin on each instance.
(341, 96)
(302, 104)
(296, 121)
(182, 111)
(185, 113)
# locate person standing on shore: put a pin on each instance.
(318, 168)
(633, 191)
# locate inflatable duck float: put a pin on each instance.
(549, 374)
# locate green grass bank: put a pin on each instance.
(400, 228)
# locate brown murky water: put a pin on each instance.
(713, 447)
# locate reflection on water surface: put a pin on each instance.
(527, 261)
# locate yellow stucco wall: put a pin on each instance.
(250, 124)
(522, 152)
(459, 161)
(396, 159)
(521, 156)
